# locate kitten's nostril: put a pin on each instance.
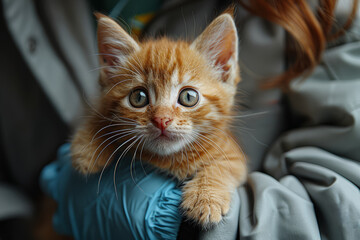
(157, 122)
(161, 123)
(167, 122)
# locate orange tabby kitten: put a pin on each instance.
(175, 99)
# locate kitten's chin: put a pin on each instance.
(164, 146)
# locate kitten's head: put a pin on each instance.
(170, 93)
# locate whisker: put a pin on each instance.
(125, 80)
(229, 137)
(206, 138)
(133, 160)
(107, 161)
(117, 163)
(250, 114)
(108, 126)
(142, 166)
(119, 134)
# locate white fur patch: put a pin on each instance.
(164, 146)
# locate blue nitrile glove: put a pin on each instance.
(147, 206)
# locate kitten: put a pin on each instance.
(175, 99)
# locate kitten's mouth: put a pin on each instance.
(165, 143)
(165, 136)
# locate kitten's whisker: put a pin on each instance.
(100, 68)
(109, 158)
(208, 140)
(93, 108)
(142, 166)
(109, 133)
(227, 136)
(125, 118)
(214, 161)
(117, 119)
(202, 136)
(108, 126)
(250, 114)
(201, 159)
(118, 161)
(137, 61)
(99, 114)
(92, 162)
(248, 132)
(204, 167)
(125, 80)
(122, 135)
(232, 139)
(133, 160)
(121, 75)
(111, 125)
(186, 147)
(204, 149)
(106, 54)
(126, 69)
(95, 69)
(134, 67)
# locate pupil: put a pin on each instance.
(140, 96)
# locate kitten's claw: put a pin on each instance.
(207, 207)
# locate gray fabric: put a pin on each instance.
(30, 128)
(77, 41)
(310, 186)
(38, 97)
(184, 22)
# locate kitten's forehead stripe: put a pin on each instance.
(175, 77)
(179, 58)
(163, 57)
(186, 78)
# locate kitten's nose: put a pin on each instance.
(161, 122)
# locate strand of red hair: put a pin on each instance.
(309, 32)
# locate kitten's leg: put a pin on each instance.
(206, 198)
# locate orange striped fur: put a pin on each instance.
(197, 146)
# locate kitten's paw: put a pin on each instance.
(205, 205)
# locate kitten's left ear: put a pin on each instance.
(219, 45)
(114, 43)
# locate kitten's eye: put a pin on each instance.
(188, 97)
(138, 98)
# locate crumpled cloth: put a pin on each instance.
(143, 203)
(309, 186)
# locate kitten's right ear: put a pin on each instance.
(219, 45)
(114, 44)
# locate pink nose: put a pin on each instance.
(161, 122)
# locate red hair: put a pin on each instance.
(309, 32)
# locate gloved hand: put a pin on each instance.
(146, 205)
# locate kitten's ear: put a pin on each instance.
(219, 45)
(114, 43)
